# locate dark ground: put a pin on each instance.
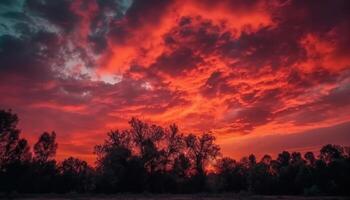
(168, 197)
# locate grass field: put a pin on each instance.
(172, 197)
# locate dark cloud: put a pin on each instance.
(131, 92)
(235, 5)
(338, 97)
(195, 33)
(216, 85)
(146, 12)
(249, 118)
(30, 56)
(279, 46)
(108, 12)
(57, 12)
(267, 47)
(178, 61)
(140, 14)
(8, 2)
(15, 15)
(313, 17)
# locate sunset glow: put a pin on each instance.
(262, 76)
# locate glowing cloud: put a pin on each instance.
(242, 69)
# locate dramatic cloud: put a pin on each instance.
(248, 71)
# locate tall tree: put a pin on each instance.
(117, 169)
(173, 147)
(12, 147)
(201, 149)
(45, 148)
(14, 153)
(147, 140)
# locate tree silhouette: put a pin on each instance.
(330, 153)
(174, 146)
(117, 168)
(8, 123)
(201, 150)
(284, 158)
(310, 158)
(266, 159)
(76, 175)
(12, 148)
(45, 169)
(150, 158)
(231, 176)
(181, 166)
(45, 148)
(14, 153)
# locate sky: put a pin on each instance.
(262, 76)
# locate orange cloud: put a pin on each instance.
(248, 71)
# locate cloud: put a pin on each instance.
(177, 62)
(57, 12)
(27, 66)
(216, 85)
(237, 68)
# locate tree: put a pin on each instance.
(284, 158)
(142, 133)
(230, 176)
(8, 123)
(181, 166)
(337, 168)
(14, 153)
(21, 152)
(266, 159)
(12, 148)
(330, 153)
(76, 175)
(252, 160)
(117, 169)
(174, 145)
(296, 158)
(147, 140)
(45, 172)
(201, 149)
(310, 158)
(45, 148)
(260, 179)
(115, 140)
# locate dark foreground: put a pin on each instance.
(171, 197)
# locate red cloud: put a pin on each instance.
(237, 68)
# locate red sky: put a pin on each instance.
(263, 76)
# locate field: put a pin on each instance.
(172, 197)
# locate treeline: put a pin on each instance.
(150, 158)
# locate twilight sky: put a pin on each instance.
(263, 76)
